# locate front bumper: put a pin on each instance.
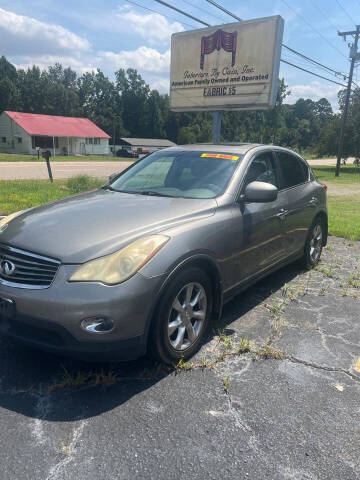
(51, 318)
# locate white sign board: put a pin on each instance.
(227, 67)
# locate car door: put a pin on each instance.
(259, 239)
(297, 194)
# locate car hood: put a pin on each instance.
(90, 225)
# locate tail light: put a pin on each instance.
(324, 185)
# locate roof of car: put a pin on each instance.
(220, 147)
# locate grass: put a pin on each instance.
(14, 157)
(21, 194)
(348, 174)
(344, 217)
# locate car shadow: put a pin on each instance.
(72, 389)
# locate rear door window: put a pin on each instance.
(293, 171)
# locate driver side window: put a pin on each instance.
(262, 169)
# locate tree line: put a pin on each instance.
(127, 106)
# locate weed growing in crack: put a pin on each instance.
(244, 346)
(328, 271)
(181, 365)
(267, 351)
(354, 280)
(105, 378)
(226, 384)
(290, 293)
(276, 307)
(225, 339)
(324, 288)
(82, 378)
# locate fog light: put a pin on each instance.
(97, 325)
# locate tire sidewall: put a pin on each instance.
(159, 342)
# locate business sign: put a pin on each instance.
(227, 67)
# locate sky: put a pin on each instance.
(111, 34)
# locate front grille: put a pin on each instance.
(30, 270)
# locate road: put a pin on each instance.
(37, 170)
(228, 415)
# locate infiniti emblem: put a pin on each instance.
(7, 267)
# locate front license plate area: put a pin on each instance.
(7, 309)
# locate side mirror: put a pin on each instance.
(112, 177)
(260, 192)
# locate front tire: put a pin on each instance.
(313, 245)
(182, 317)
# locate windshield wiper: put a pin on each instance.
(152, 193)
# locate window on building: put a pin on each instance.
(19, 139)
(3, 139)
(89, 141)
(293, 170)
(96, 141)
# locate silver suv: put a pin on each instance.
(144, 262)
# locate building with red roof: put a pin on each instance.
(29, 132)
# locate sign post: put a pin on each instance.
(216, 126)
(226, 67)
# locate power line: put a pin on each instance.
(312, 73)
(291, 49)
(312, 28)
(313, 61)
(346, 13)
(183, 13)
(224, 10)
(204, 11)
(156, 11)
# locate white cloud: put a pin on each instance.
(20, 35)
(314, 90)
(162, 84)
(153, 27)
(144, 59)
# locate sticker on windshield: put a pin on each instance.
(220, 155)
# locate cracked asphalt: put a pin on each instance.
(287, 409)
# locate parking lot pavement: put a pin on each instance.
(38, 170)
(286, 409)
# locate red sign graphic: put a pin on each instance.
(218, 40)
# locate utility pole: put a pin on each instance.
(354, 55)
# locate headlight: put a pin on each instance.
(8, 219)
(121, 265)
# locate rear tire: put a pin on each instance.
(314, 244)
(181, 317)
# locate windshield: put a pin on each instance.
(187, 174)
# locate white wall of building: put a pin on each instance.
(16, 139)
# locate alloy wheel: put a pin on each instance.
(316, 243)
(187, 316)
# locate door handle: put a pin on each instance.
(282, 213)
(313, 202)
